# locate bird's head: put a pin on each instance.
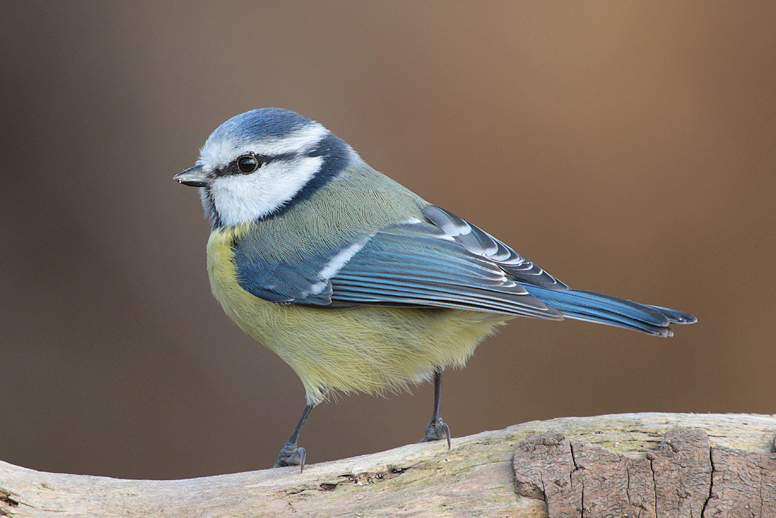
(260, 163)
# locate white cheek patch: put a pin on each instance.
(219, 152)
(245, 198)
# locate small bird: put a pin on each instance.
(356, 282)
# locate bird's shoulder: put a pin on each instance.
(359, 202)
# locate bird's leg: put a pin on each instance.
(291, 454)
(437, 429)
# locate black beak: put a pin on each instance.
(194, 177)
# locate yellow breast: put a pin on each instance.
(368, 348)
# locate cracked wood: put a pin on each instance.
(684, 477)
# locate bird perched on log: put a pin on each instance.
(353, 280)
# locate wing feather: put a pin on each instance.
(481, 243)
(443, 262)
(416, 264)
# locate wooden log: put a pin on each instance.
(635, 465)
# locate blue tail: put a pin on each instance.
(614, 311)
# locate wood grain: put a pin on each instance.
(635, 465)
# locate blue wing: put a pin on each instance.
(440, 262)
(576, 304)
(418, 264)
(443, 261)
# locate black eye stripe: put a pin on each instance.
(233, 168)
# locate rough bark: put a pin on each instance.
(634, 465)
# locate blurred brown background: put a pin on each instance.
(628, 148)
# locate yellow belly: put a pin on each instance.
(368, 348)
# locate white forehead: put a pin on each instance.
(221, 149)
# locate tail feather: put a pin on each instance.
(613, 311)
(676, 316)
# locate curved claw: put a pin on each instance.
(436, 431)
(291, 455)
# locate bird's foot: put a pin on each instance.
(291, 455)
(436, 431)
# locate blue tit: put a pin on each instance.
(356, 282)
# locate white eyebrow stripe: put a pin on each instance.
(299, 141)
(218, 153)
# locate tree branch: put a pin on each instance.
(642, 465)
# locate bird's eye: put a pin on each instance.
(248, 163)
